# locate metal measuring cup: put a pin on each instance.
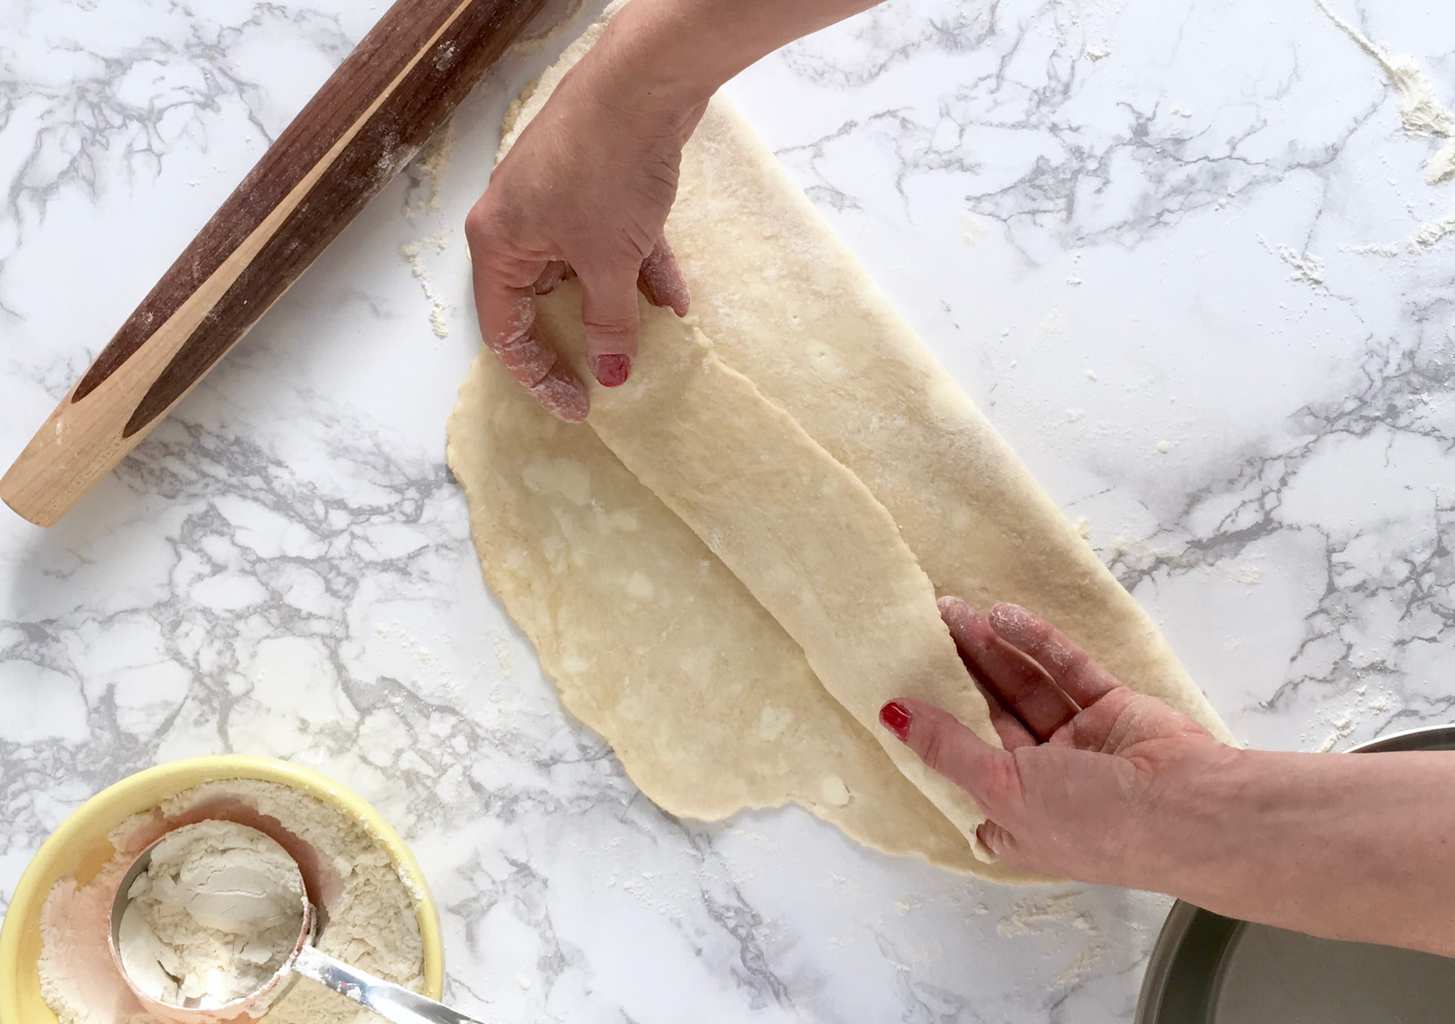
(392, 1002)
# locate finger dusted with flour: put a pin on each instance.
(590, 179)
(504, 290)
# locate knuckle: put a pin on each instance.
(485, 227)
(1003, 780)
(562, 397)
(478, 223)
(995, 837)
(609, 262)
(604, 327)
(935, 749)
(931, 751)
(532, 369)
(514, 332)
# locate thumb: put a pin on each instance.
(987, 773)
(609, 313)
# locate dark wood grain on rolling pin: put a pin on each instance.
(393, 134)
(400, 84)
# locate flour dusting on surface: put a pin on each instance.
(1304, 267)
(1386, 250)
(1039, 914)
(1421, 113)
(427, 173)
(1434, 232)
(1362, 709)
(1094, 20)
(413, 253)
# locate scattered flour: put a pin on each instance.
(1093, 20)
(1085, 964)
(368, 908)
(908, 904)
(1420, 111)
(1387, 250)
(1040, 914)
(1426, 236)
(413, 253)
(1343, 724)
(428, 171)
(1306, 267)
(553, 22)
(503, 661)
(1422, 115)
(1053, 324)
(1343, 721)
(1059, 914)
(1249, 574)
(1434, 232)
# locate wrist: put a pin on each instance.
(676, 53)
(1191, 829)
(648, 66)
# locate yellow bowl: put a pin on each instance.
(80, 848)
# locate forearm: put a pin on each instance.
(1357, 846)
(679, 52)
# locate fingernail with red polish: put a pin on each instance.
(896, 717)
(613, 370)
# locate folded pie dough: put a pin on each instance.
(734, 563)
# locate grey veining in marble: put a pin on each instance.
(1184, 254)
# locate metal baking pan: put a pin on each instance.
(1208, 969)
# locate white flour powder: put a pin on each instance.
(367, 909)
(213, 917)
(1420, 111)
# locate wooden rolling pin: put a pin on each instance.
(369, 119)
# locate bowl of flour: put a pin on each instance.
(55, 965)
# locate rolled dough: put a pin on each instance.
(790, 423)
(652, 642)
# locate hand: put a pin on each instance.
(585, 190)
(1086, 763)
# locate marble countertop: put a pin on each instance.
(1185, 255)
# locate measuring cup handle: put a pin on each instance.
(390, 1001)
